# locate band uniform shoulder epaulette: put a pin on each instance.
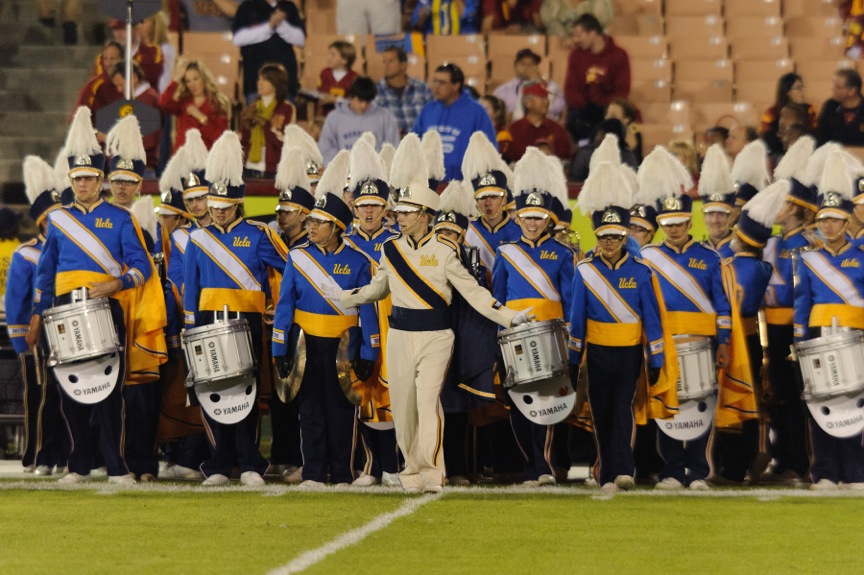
(27, 244)
(447, 242)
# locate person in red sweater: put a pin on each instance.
(598, 71)
(146, 55)
(196, 101)
(337, 77)
(263, 123)
(146, 94)
(98, 92)
(535, 126)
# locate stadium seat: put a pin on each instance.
(644, 47)
(647, 91)
(558, 56)
(823, 48)
(710, 81)
(706, 115)
(760, 93)
(756, 70)
(501, 44)
(660, 69)
(702, 48)
(821, 70)
(694, 27)
(642, 24)
(654, 135)
(676, 113)
(759, 48)
(814, 26)
(637, 7)
(737, 8)
(754, 27)
(321, 21)
(693, 7)
(440, 47)
(810, 8)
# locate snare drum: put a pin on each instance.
(219, 351)
(79, 331)
(698, 376)
(832, 365)
(534, 351)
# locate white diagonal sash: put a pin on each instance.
(181, 238)
(318, 277)
(838, 283)
(532, 272)
(613, 300)
(85, 239)
(226, 260)
(487, 254)
(770, 255)
(30, 254)
(679, 278)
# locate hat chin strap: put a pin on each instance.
(410, 229)
(97, 191)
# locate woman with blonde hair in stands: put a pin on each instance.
(685, 151)
(155, 31)
(196, 102)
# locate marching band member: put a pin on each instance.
(434, 152)
(226, 264)
(750, 174)
(828, 292)
(84, 242)
(421, 269)
(195, 186)
(46, 439)
(124, 141)
(298, 137)
(787, 412)
(487, 172)
(368, 234)
(535, 272)
(691, 286)
(295, 202)
(327, 419)
(718, 200)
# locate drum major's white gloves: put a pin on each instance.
(331, 289)
(523, 316)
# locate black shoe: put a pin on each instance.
(70, 33)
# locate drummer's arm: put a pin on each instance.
(135, 257)
(43, 293)
(477, 296)
(565, 287)
(191, 290)
(284, 316)
(651, 322)
(368, 322)
(578, 318)
(802, 305)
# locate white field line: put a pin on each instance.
(349, 538)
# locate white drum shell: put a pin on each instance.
(79, 331)
(534, 351)
(832, 365)
(218, 351)
(698, 377)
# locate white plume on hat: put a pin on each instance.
(716, 177)
(455, 199)
(81, 139)
(335, 176)
(481, 157)
(291, 172)
(196, 151)
(794, 162)
(61, 167)
(365, 163)
(409, 162)
(173, 173)
(434, 152)
(532, 173)
(509, 176)
(630, 175)
(39, 177)
(386, 156)
(225, 160)
(557, 179)
(816, 163)
(607, 151)
(751, 165)
(679, 171)
(659, 178)
(143, 211)
(124, 140)
(605, 186)
(369, 138)
(297, 136)
(766, 205)
(839, 173)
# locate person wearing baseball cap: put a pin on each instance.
(536, 125)
(526, 69)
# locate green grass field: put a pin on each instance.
(96, 529)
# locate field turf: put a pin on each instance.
(98, 529)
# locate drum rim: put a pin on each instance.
(530, 326)
(54, 361)
(829, 340)
(228, 375)
(90, 305)
(216, 327)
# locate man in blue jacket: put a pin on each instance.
(454, 115)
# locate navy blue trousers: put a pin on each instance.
(787, 410)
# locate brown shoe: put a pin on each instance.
(147, 478)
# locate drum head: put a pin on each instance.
(346, 375)
(693, 420)
(230, 400)
(288, 387)
(545, 402)
(841, 416)
(89, 381)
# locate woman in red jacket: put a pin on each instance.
(263, 122)
(196, 102)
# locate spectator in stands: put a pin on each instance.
(535, 126)
(739, 136)
(98, 92)
(598, 71)
(71, 16)
(790, 90)
(155, 31)
(268, 31)
(713, 135)
(449, 18)
(337, 77)
(403, 96)
(368, 17)
(455, 115)
(526, 68)
(512, 16)
(145, 54)
(685, 151)
(144, 93)
(579, 167)
(196, 101)
(792, 123)
(263, 122)
(355, 115)
(498, 114)
(624, 110)
(209, 15)
(558, 16)
(841, 118)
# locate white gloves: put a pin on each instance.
(523, 316)
(331, 289)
